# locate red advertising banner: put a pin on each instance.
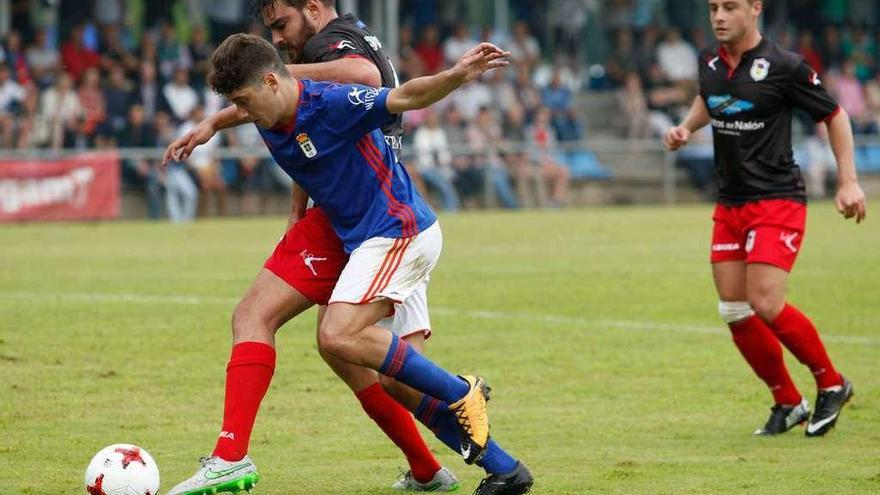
(78, 188)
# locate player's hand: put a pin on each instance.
(480, 59)
(180, 149)
(850, 201)
(676, 137)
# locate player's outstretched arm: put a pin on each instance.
(349, 70)
(180, 149)
(850, 199)
(696, 118)
(423, 91)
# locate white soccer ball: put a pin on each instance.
(122, 469)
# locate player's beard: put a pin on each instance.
(290, 55)
(293, 54)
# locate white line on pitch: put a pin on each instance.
(630, 325)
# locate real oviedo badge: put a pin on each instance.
(305, 143)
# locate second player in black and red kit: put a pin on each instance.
(749, 88)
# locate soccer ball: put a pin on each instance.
(122, 469)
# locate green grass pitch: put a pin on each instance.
(597, 329)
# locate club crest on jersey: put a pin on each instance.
(814, 79)
(342, 45)
(760, 69)
(306, 145)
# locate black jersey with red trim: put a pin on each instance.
(751, 112)
(347, 36)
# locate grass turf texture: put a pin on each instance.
(596, 328)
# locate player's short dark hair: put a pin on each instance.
(259, 7)
(240, 60)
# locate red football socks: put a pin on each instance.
(762, 351)
(800, 336)
(400, 427)
(248, 375)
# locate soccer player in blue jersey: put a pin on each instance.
(327, 137)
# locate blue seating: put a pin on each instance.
(585, 165)
(868, 158)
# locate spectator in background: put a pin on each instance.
(698, 39)
(255, 174)
(200, 50)
(471, 97)
(663, 95)
(172, 53)
(498, 37)
(206, 166)
(181, 192)
(872, 98)
(458, 44)
(75, 56)
(148, 93)
(832, 48)
(544, 156)
(114, 52)
(860, 49)
(850, 95)
(633, 105)
(821, 162)
(527, 94)
(157, 12)
(109, 12)
(144, 173)
(59, 115)
(646, 54)
(16, 59)
(784, 39)
(619, 14)
(484, 136)
(226, 17)
(434, 161)
(677, 57)
(622, 60)
(91, 97)
(559, 100)
(148, 51)
(12, 97)
(409, 64)
(180, 96)
(42, 59)
(807, 49)
(513, 130)
(429, 50)
(524, 48)
(26, 120)
(468, 178)
(569, 18)
(502, 92)
(119, 97)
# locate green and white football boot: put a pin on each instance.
(217, 476)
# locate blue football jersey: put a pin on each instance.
(335, 150)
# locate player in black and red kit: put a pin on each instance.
(303, 271)
(749, 88)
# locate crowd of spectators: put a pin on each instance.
(105, 85)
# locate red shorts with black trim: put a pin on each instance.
(309, 257)
(767, 231)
